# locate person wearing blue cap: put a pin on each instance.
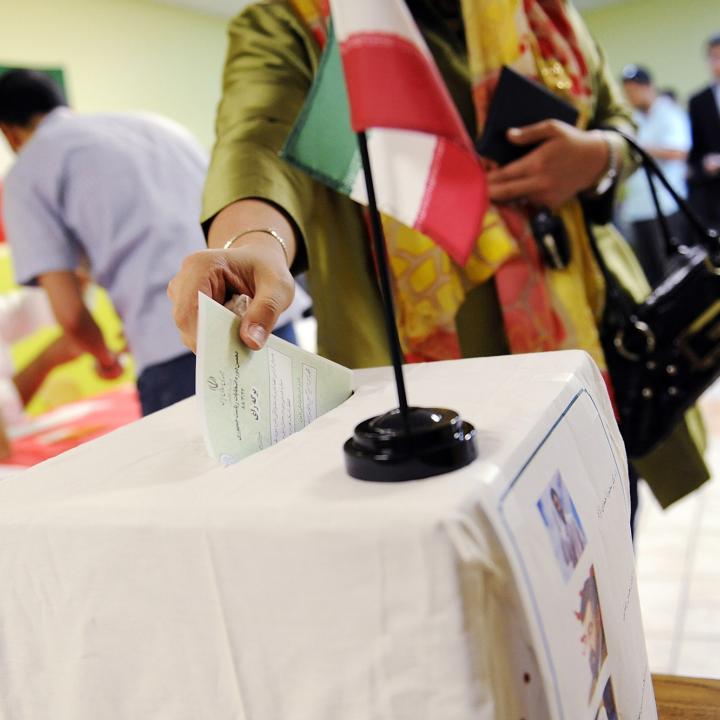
(663, 130)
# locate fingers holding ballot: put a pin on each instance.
(252, 246)
(249, 399)
(255, 269)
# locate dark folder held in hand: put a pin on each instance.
(518, 101)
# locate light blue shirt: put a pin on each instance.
(122, 190)
(665, 126)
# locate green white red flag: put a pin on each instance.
(377, 75)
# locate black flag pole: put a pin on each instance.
(381, 256)
(408, 443)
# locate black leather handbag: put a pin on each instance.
(662, 354)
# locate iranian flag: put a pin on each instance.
(377, 75)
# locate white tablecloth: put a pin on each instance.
(140, 582)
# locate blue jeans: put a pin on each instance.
(286, 332)
(166, 383)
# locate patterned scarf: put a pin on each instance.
(542, 309)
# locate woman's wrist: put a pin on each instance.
(258, 247)
(256, 221)
(270, 232)
(611, 165)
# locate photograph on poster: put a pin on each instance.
(593, 635)
(563, 525)
(607, 710)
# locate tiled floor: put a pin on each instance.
(678, 555)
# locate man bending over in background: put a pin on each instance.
(121, 191)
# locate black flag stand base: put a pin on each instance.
(382, 450)
(408, 443)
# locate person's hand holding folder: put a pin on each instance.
(530, 134)
(566, 162)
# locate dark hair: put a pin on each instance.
(713, 41)
(25, 94)
(669, 93)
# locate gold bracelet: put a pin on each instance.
(611, 171)
(267, 231)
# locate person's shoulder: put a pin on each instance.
(701, 96)
(149, 121)
(267, 9)
(277, 35)
(171, 132)
(268, 16)
(82, 134)
(38, 164)
(62, 135)
(57, 128)
(114, 132)
(664, 103)
(78, 145)
(667, 108)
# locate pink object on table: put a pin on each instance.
(71, 425)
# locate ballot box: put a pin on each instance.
(140, 580)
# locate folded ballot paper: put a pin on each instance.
(250, 399)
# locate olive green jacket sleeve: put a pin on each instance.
(266, 79)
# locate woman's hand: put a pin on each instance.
(567, 162)
(257, 268)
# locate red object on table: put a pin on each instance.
(73, 424)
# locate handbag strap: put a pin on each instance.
(708, 236)
(617, 296)
(671, 244)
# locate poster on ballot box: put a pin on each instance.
(563, 519)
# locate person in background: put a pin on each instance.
(704, 109)
(120, 191)
(663, 131)
(670, 94)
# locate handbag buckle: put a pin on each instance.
(648, 336)
(704, 331)
(711, 266)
